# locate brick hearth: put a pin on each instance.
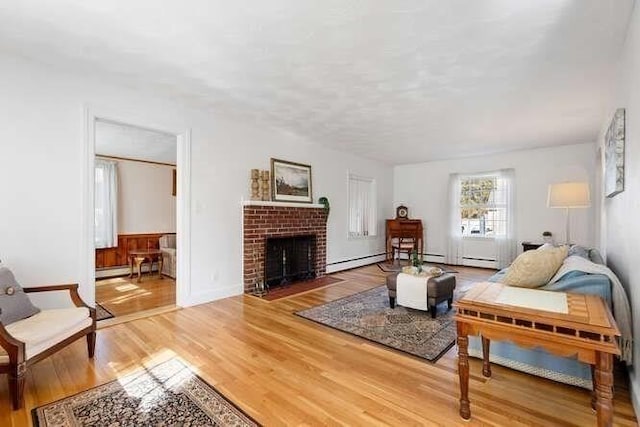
(261, 222)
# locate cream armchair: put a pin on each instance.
(168, 249)
(30, 340)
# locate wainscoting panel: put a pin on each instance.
(119, 256)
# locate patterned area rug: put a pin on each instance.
(167, 395)
(102, 313)
(367, 315)
(392, 267)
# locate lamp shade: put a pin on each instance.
(569, 195)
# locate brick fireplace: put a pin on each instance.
(264, 220)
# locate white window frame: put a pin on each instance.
(372, 220)
(495, 175)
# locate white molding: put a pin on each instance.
(183, 220)
(346, 265)
(426, 258)
(216, 294)
(434, 258)
(478, 263)
(183, 200)
(87, 258)
(281, 204)
(122, 271)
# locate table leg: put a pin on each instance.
(139, 261)
(486, 364)
(130, 266)
(388, 245)
(604, 389)
(593, 387)
(463, 371)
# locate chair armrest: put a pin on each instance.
(7, 338)
(14, 348)
(71, 287)
(48, 288)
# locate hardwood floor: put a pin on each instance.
(122, 296)
(286, 370)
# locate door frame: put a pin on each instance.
(183, 197)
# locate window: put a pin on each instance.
(106, 197)
(362, 206)
(483, 205)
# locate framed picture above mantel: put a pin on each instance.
(290, 182)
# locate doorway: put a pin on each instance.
(136, 217)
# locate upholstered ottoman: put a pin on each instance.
(439, 289)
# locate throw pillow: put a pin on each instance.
(594, 256)
(14, 303)
(577, 250)
(533, 269)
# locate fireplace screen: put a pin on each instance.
(289, 259)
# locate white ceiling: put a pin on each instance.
(131, 142)
(399, 81)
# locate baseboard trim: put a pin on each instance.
(474, 262)
(213, 295)
(120, 271)
(435, 258)
(348, 264)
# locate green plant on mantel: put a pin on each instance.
(324, 201)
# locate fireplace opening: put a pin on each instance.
(289, 259)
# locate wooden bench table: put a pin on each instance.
(564, 324)
(138, 257)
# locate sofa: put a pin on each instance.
(537, 361)
(168, 249)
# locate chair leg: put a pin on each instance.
(449, 302)
(433, 309)
(16, 385)
(392, 302)
(91, 343)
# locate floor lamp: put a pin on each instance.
(569, 195)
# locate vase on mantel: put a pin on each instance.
(255, 184)
(264, 186)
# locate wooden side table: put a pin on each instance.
(583, 327)
(139, 257)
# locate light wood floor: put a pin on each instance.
(122, 296)
(285, 370)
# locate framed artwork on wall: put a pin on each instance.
(290, 182)
(614, 155)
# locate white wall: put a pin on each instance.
(41, 168)
(424, 189)
(145, 202)
(620, 224)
